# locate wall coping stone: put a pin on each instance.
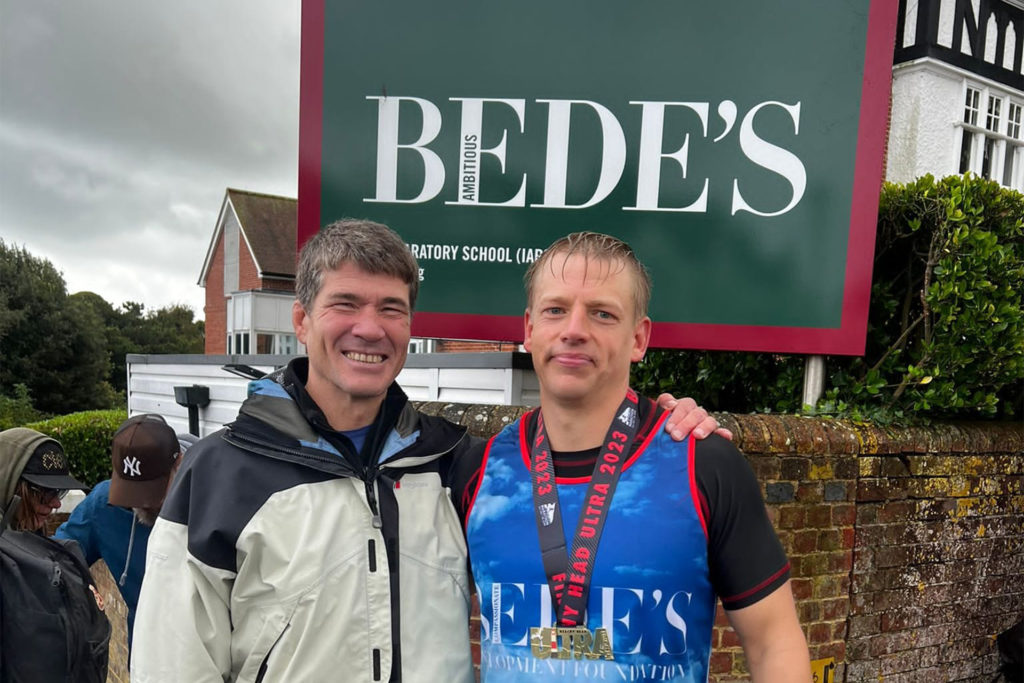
(797, 434)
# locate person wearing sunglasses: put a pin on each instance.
(52, 624)
(34, 468)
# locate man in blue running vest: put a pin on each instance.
(599, 547)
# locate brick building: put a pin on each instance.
(249, 276)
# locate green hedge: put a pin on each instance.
(945, 331)
(86, 439)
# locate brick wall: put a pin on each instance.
(117, 612)
(248, 274)
(939, 558)
(906, 545)
(276, 285)
(215, 312)
(457, 345)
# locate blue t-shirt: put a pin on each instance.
(103, 531)
(358, 436)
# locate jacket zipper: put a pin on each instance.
(371, 499)
(370, 476)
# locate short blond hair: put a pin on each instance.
(600, 247)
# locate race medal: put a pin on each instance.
(569, 574)
(576, 642)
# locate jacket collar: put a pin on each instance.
(280, 414)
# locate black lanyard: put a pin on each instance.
(569, 575)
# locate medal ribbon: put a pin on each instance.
(569, 575)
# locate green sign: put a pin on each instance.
(736, 146)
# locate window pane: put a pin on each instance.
(264, 343)
(965, 151)
(1008, 165)
(993, 115)
(986, 160)
(285, 344)
(971, 107)
(1013, 121)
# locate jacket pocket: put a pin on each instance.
(257, 661)
(263, 665)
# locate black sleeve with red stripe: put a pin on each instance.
(746, 559)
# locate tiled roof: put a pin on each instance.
(269, 226)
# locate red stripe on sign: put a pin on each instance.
(311, 127)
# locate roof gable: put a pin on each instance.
(268, 226)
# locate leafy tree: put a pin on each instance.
(34, 343)
(171, 329)
(87, 375)
(69, 351)
(131, 329)
(16, 410)
(946, 326)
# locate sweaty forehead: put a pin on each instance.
(581, 267)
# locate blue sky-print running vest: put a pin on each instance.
(650, 590)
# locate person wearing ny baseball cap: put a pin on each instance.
(114, 520)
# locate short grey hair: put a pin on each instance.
(600, 247)
(373, 247)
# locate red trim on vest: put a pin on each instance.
(524, 444)
(695, 497)
(658, 426)
(524, 450)
(479, 482)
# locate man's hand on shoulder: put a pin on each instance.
(687, 417)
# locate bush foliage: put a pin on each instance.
(86, 439)
(17, 410)
(945, 331)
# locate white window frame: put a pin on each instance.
(987, 123)
(238, 342)
(279, 344)
(417, 345)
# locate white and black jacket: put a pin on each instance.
(279, 556)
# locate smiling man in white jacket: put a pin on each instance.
(317, 538)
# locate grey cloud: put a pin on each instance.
(122, 122)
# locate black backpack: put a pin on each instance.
(51, 628)
(1010, 644)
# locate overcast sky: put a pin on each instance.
(123, 121)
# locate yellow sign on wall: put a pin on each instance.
(823, 670)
